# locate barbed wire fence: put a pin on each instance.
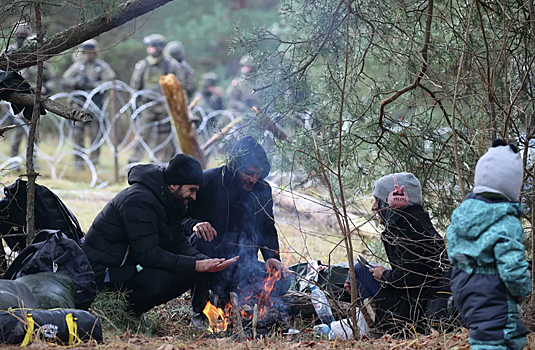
(119, 130)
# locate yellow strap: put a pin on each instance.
(72, 326)
(29, 331)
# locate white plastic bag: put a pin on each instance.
(343, 330)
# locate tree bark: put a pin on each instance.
(71, 37)
(31, 174)
(52, 106)
(236, 318)
(177, 107)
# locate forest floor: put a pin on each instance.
(302, 237)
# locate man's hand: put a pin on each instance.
(205, 265)
(224, 264)
(205, 231)
(347, 286)
(378, 272)
(273, 263)
(214, 265)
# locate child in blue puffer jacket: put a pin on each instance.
(485, 245)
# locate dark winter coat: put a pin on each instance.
(418, 257)
(243, 220)
(140, 226)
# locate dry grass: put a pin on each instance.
(299, 240)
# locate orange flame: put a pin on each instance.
(264, 300)
(245, 315)
(217, 317)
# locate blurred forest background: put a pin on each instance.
(204, 29)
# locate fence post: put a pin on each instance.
(114, 134)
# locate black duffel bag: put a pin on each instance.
(60, 326)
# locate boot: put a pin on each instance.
(199, 321)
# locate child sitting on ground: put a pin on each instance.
(485, 245)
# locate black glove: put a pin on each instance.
(14, 82)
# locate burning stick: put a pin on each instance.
(255, 319)
(236, 317)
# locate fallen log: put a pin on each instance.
(318, 212)
(180, 113)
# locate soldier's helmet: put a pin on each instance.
(174, 49)
(22, 30)
(210, 79)
(89, 45)
(157, 40)
(246, 61)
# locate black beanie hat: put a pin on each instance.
(183, 170)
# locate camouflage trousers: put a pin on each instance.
(16, 137)
(153, 135)
(78, 136)
(79, 130)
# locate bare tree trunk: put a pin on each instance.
(30, 167)
(532, 236)
(178, 108)
(528, 134)
(3, 259)
(115, 137)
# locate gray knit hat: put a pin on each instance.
(385, 185)
(500, 170)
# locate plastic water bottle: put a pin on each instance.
(323, 310)
(324, 331)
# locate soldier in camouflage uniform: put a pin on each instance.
(23, 37)
(186, 76)
(240, 94)
(146, 76)
(86, 74)
(210, 94)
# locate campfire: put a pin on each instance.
(251, 312)
(219, 319)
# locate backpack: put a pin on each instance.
(53, 251)
(59, 326)
(329, 278)
(50, 213)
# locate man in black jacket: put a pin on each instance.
(137, 242)
(416, 253)
(233, 216)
